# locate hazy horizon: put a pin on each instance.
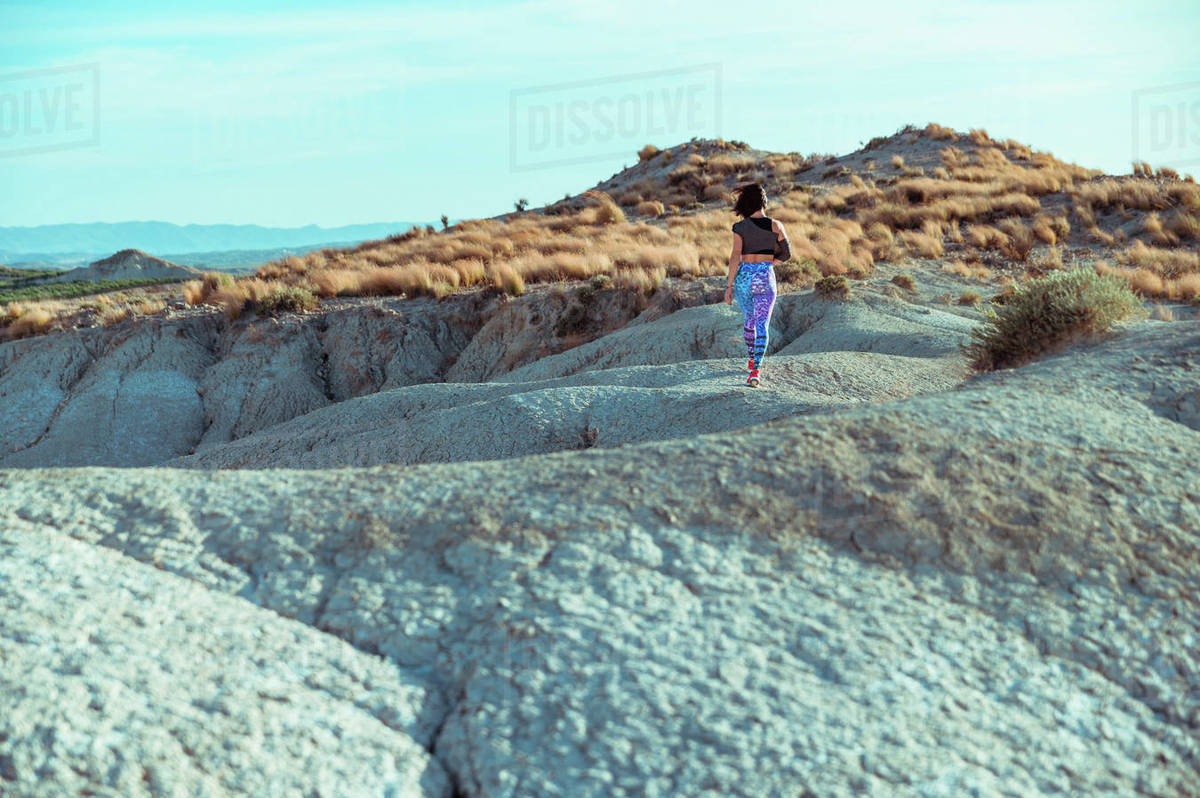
(334, 115)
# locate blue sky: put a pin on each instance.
(222, 112)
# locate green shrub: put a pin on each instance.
(75, 288)
(833, 285)
(288, 298)
(1048, 313)
(792, 272)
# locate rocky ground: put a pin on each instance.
(423, 549)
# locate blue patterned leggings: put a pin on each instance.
(754, 288)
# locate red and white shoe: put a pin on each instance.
(752, 380)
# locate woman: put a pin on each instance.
(752, 269)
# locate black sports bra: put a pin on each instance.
(757, 236)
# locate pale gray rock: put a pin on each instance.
(914, 584)
(120, 679)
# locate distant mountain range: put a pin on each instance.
(95, 238)
(221, 260)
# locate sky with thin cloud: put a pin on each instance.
(241, 112)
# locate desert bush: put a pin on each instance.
(286, 298)
(832, 286)
(148, 306)
(1044, 230)
(410, 280)
(794, 272)
(1164, 262)
(193, 292)
(508, 280)
(604, 210)
(27, 322)
(939, 133)
(1184, 225)
(647, 152)
(642, 280)
(651, 208)
(953, 157)
(114, 313)
(968, 297)
(1020, 241)
(336, 282)
(728, 165)
(979, 137)
(1047, 313)
(922, 244)
(975, 270)
(905, 281)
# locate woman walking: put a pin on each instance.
(759, 242)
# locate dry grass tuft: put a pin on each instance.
(920, 244)
(651, 208)
(508, 279)
(974, 271)
(1162, 313)
(1163, 262)
(939, 133)
(24, 322)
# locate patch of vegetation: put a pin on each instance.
(73, 289)
(905, 281)
(287, 298)
(1048, 313)
(22, 323)
(833, 286)
(968, 298)
(11, 275)
(647, 152)
(791, 272)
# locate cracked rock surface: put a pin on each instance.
(122, 678)
(989, 589)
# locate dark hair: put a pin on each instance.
(751, 199)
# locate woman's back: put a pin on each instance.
(758, 236)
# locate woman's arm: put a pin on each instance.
(735, 258)
(784, 244)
